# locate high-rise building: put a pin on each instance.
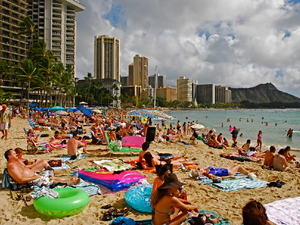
(13, 47)
(55, 20)
(139, 74)
(168, 93)
(184, 89)
(160, 80)
(223, 94)
(107, 58)
(205, 93)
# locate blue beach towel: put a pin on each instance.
(239, 183)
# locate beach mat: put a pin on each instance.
(65, 158)
(126, 220)
(285, 211)
(239, 183)
(63, 166)
(114, 165)
(89, 188)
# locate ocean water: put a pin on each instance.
(274, 124)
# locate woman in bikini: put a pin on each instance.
(166, 199)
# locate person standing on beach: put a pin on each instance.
(234, 134)
(5, 121)
(259, 140)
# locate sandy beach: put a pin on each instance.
(226, 204)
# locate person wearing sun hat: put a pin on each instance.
(166, 203)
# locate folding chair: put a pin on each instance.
(9, 182)
(33, 147)
(95, 140)
(121, 149)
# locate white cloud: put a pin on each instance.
(230, 42)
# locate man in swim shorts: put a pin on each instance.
(24, 174)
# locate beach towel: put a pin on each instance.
(5, 179)
(65, 158)
(133, 141)
(239, 183)
(243, 158)
(114, 165)
(286, 211)
(213, 214)
(63, 166)
(89, 188)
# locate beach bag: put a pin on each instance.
(116, 145)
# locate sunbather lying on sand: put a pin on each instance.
(229, 172)
(33, 174)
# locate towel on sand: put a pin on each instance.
(239, 183)
(285, 211)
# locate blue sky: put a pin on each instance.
(230, 42)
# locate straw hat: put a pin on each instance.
(171, 181)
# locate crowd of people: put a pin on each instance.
(169, 199)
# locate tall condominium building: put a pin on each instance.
(184, 89)
(223, 94)
(107, 58)
(160, 80)
(12, 46)
(56, 25)
(205, 93)
(168, 93)
(138, 72)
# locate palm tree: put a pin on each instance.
(89, 78)
(27, 27)
(27, 71)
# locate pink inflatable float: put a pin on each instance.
(133, 141)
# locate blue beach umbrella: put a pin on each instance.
(45, 109)
(33, 105)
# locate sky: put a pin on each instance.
(235, 43)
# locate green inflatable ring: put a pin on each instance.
(70, 202)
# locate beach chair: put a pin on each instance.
(9, 182)
(95, 140)
(33, 125)
(113, 148)
(33, 147)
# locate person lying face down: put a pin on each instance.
(229, 172)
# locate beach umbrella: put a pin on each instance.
(60, 112)
(33, 105)
(37, 109)
(97, 111)
(45, 109)
(150, 113)
(198, 126)
(55, 108)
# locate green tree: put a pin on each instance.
(27, 27)
(27, 71)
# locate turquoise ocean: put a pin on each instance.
(274, 124)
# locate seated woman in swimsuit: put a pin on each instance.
(167, 206)
(229, 172)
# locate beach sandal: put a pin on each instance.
(106, 206)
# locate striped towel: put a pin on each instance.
(239, 183)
